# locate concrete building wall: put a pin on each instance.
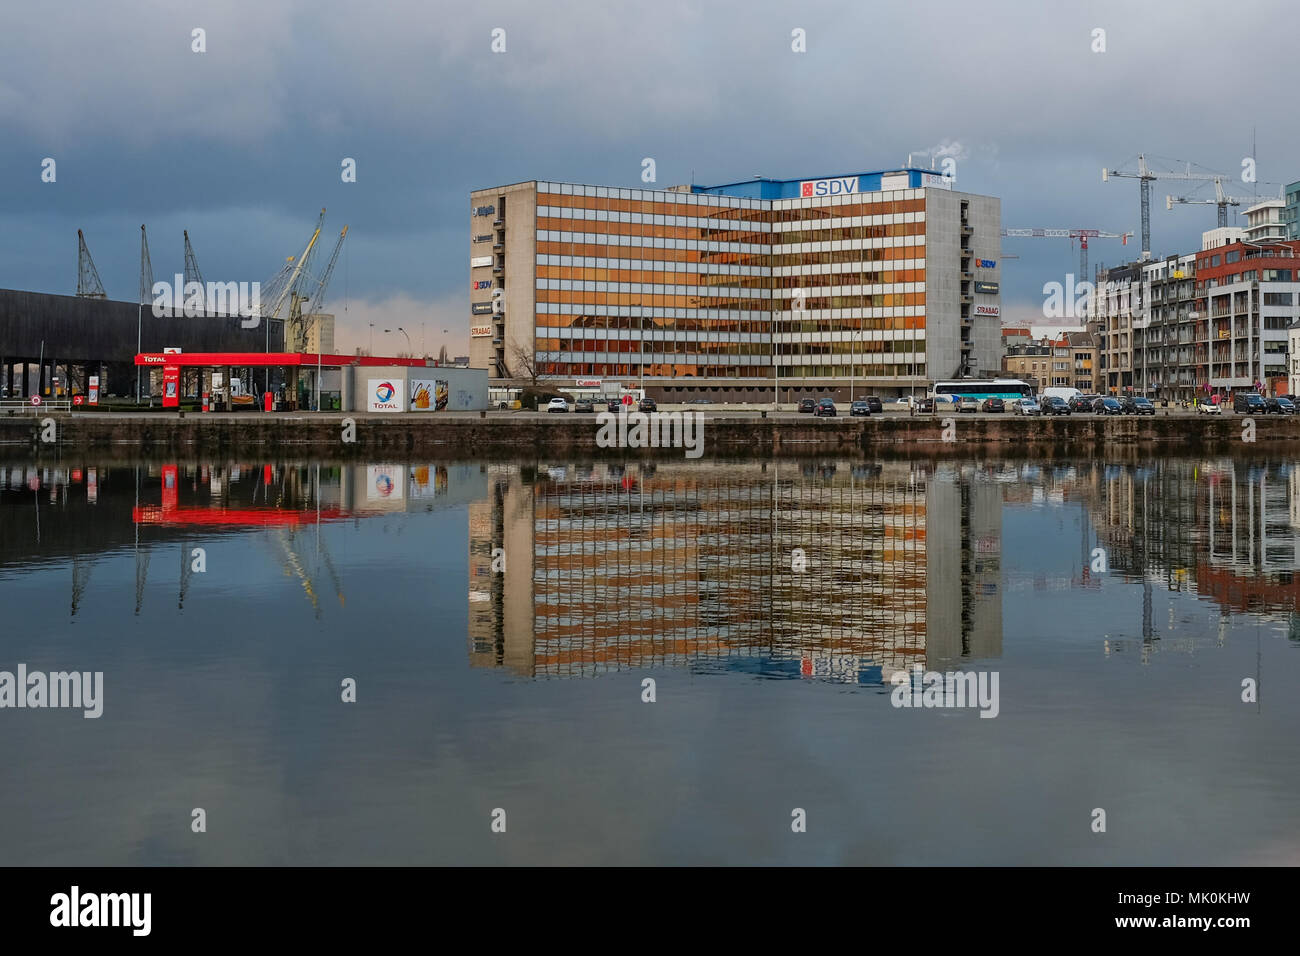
(466, 387)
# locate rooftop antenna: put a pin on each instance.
(88, 284)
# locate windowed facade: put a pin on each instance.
(704, 287)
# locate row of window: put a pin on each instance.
(763, 326)
(731, 347)
(809, 303)
(693, 370)
(713, 207)
(848, 233)
(552, 274)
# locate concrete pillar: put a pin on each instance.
(27, 389)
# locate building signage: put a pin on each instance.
(384, 395)
(936, 181)
(171, 386)
(481, 284)
(478, 262)
(429, 395)
(988, 288)
(94, 390)
(892, 181)
(484, 210)
(986, 263)
(480, 308)
(987, 310)
(587, 383)
(828, 187)
(480, 331)
(483, 238)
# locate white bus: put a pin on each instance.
(1007, 389)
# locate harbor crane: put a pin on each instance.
(1083, 235)
(1145, 176)
(88, 284)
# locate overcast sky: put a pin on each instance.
(242, 144)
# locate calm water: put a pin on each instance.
(1120, 606)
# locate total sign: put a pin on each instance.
(828, 187)
(385, 395)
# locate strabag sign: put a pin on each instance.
(828, 187)
(480, 331)
(988, 310)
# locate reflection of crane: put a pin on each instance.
(141, 566)
(186, 574)
(80, 577)
(293, 565)
(1145, 175)
(1083, 235)
(334, 575)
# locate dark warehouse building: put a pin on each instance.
(41, 332)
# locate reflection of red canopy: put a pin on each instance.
(219, 517)
(260, 359)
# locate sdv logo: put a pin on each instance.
(829, 187)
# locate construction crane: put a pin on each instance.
(1083, 235)
(1220, 199)
(192, 273)
(313, 291)
(146, 295)
(1145, 175)
(88, 284)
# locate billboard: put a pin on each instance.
(986, 288)
(384, 395)
(171, 386)
(429, 395)
(987, 310)
(480, 331)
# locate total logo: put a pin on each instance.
(828, 187)
(384, 393)
(384, 486)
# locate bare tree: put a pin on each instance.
(444, 357)
(525, 362)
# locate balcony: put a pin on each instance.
(499, 223)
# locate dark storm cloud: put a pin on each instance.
(242, 144)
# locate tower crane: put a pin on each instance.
(1145, 175)
(192, 273)
(278, 289)
(1220, 199)
(88, 284)
(1083, 235)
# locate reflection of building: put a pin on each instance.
(781, 569)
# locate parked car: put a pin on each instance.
(1054, 405)
(968, 404)
(1136, 405)
(647, 405)
(826, 407)
(1027, 406)
(557, 405)
(873, 402)
(1107, 406)
(1209, 408)
(584, 405)
(1083, 403)
(807, 405)
(700, 401)
(615, 405)
(859, 407)
(1279, 406)
(1250, 403)
(993, 405)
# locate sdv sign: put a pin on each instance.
(828, 187)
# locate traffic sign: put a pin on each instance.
(76, 399)
(36, 399)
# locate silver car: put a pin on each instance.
(1027, 406)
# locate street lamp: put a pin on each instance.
(408, 338)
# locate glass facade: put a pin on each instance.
(678, 285)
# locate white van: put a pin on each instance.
(1060, 392)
